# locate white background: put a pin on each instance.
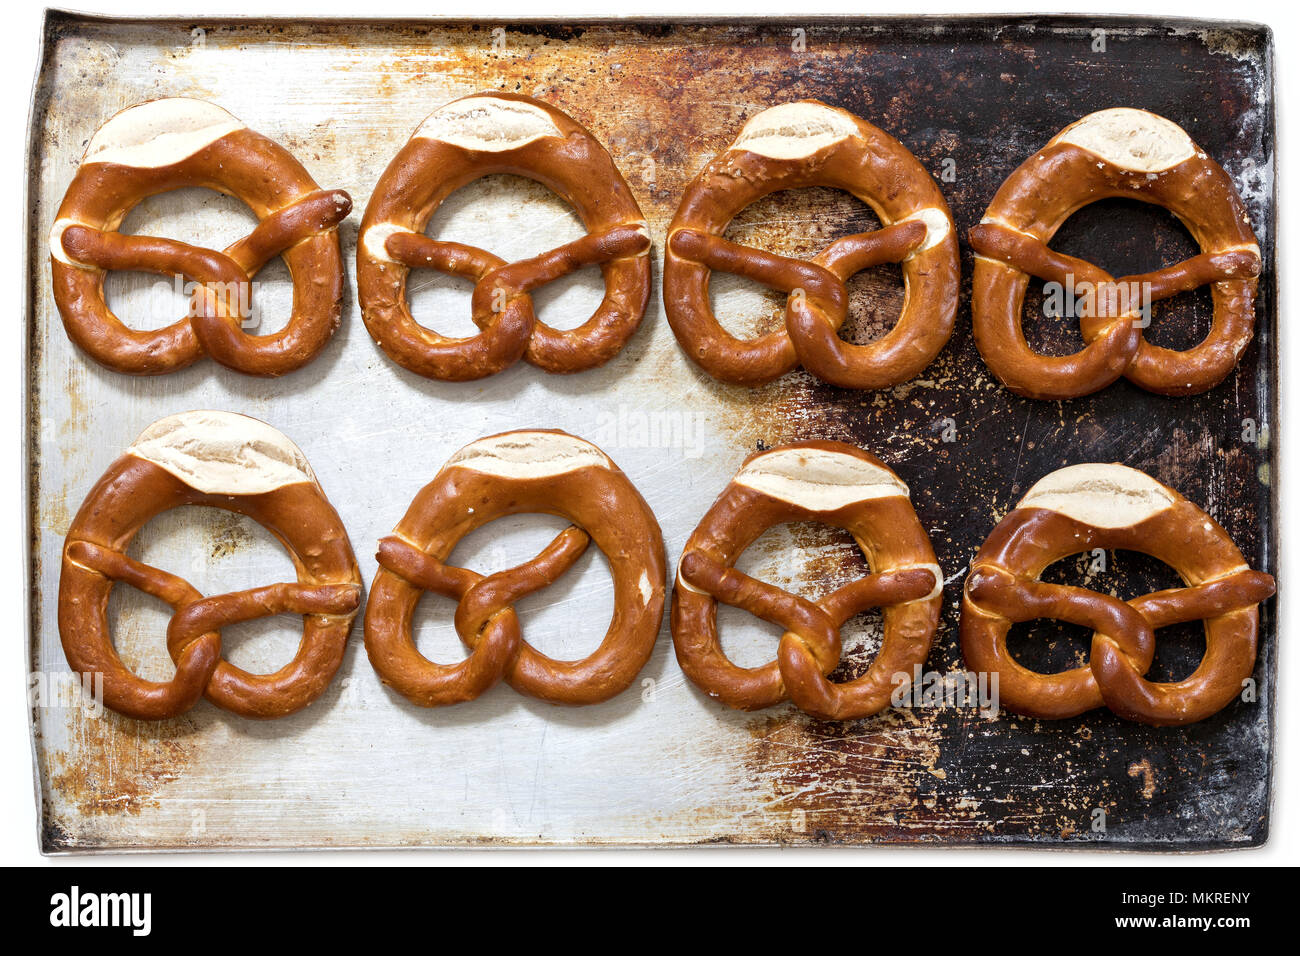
(17, 802)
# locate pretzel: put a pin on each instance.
(811, 144)
(168, 144)
(1089, 506)
(244, 466)
(1135, 155)
(838, 485)
(541, 472)
(463, 141)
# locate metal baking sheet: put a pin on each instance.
(661, 764)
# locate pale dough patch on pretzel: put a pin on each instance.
(935, 570)
(160, 133)
(936, 227)
(222, 453)
(818, 480)
(529, 455)
(375, 238)
(1131, 139)
(60, 253)
(487, 124)
(1104, 496)
(794, 130)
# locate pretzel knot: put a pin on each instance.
(241, 465)
(792, 146)
(839, 485)
(1092, 506)
(1114, 153)
(465, 140)
(173, 143)
(545, 472)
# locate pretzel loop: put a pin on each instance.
(465, 140)
(278, 491)
(794, 146)
(1082, 508)
(1130, 154)
(169, 144)
(155, 700)
(835, 484)
(518, 472)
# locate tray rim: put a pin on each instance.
(55, 17)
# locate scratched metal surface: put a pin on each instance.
(661, 764)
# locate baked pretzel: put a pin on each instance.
(838, 485)
(463, 141)
(173, 143)
(811, 144)
(1135, 155)
(539, 472)
(1083, 507)
(244, 466)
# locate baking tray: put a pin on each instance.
(661, 764)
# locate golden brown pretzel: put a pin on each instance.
(244, 466)
(463, 141)
(811, 144)
(1091, 506)
(1135, 155)
(173, 143)
(835, 484)
(540, 472)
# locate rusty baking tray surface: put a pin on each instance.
(661, 764)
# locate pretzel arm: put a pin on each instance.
(302, 219)
(1228, 661)
(766, 268)
(886, 588)
(850, 255)
(210, 614)
(417, 251)
(117, 566)
(594, 249)
(1030, 255)
(112, 251)
(1019, 599)
(1179, 605)
(427, 573)
(807, 686)
(1203, 269)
